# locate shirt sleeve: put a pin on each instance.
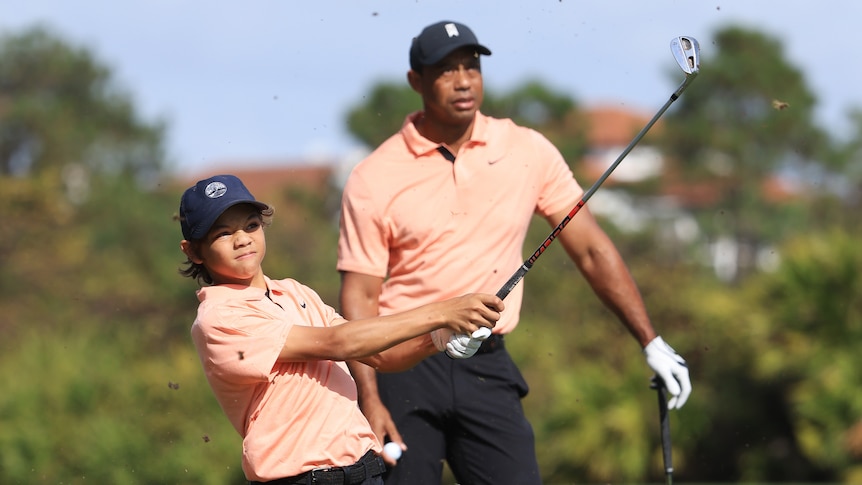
(560, 190)
(238, 345)
(363, 243)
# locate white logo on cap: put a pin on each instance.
(451, 30)
(215, 190)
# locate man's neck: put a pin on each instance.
(452, 136)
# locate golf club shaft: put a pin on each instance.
(664, 421)
(522, 271)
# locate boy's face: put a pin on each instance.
(234, 247)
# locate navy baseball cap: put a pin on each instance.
(202, 204)
(438, 40)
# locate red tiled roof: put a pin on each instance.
(615, 126)
(266, 182)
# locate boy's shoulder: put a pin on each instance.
(217, 293)
(286, 285)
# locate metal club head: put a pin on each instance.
(686, 51)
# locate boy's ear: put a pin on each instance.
(190, 250)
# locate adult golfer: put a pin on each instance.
(442, 208)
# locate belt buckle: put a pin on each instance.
(321, 469)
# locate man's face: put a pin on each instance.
(452, 89)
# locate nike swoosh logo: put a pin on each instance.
(302, 304)
(492, 162)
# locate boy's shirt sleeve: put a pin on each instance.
(238, 344)
(239, 333)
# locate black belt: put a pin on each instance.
(491, 344)
(368, 466)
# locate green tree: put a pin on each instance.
(843, 179)
(382, 112)
(748, 117)
(815, 326)
(62, 113)
(72, 146)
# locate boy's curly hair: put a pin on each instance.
(198, 271)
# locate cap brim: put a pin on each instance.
(202, 229)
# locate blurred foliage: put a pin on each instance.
(102, 384)
(382, 112)
(61, 112)
(747, 121)
(87, 403)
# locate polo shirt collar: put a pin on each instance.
(219, 293)
(419, 145)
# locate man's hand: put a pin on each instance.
(460, 346)
(382, 424)
(671, 367)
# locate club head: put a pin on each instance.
(686, 51)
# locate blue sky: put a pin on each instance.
(270, 81)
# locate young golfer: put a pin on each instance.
(273, 351)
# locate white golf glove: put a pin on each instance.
(461, 346)
(671, 367)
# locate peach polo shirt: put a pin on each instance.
(436, 229)
(293, 416)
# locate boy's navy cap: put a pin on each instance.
(438, 40)
(202, 204)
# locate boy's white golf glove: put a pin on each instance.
(461, 346)
(671, 367)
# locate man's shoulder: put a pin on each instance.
(506, 130)
(391, 149)
(502, 124)
(392, 153)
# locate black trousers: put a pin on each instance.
(467, 412)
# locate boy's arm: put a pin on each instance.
(362, 339)
(376, 342)
(359, 299)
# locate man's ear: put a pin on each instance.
(190, 250)
(415, 80)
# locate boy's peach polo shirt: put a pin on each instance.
(294, 416)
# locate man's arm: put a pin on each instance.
(604, 269)
(359, 298)
(601, 264)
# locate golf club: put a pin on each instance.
(664, 422)
(686, 51)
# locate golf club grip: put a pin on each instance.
(507, 288)
(664, 421)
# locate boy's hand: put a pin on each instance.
(466, 314)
